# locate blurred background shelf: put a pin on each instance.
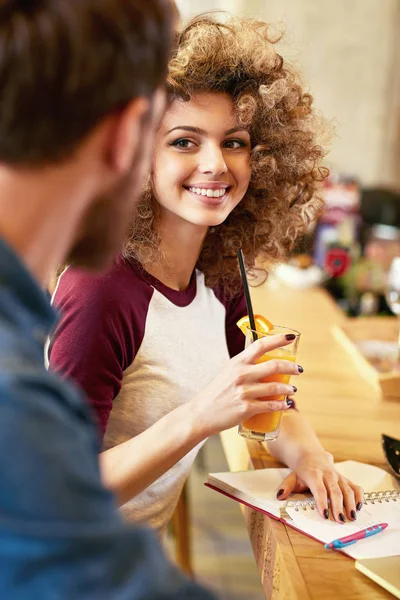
(372, 343)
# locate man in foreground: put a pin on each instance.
(81, 96)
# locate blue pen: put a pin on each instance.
(354, 537)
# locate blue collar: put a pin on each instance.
(18, 284)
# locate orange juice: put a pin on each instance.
(269, 421)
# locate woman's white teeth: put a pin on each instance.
(208, 192)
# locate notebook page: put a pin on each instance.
(369, 477)
(255, 487)
(383, 544)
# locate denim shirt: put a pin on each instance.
(61, 536)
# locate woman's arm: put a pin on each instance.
(313, 468)
(296, 436)
(231, 397)
(97, 338)
(130, 467)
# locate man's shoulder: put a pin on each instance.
(28, 385)
(20, 349)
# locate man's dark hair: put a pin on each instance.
(66, 64)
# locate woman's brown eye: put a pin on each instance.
(182, 143)
(235, 144)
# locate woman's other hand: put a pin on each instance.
(317, 473)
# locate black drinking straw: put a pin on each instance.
(247, 294)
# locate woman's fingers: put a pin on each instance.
(332, 493)
(358, 495)
(343, 497)
(349, 502)
(321, 498)
(255, 373)
(249, 376)
(255, 407)
(262, 345)
(319, 492)
(335, 496)
(287, 487)
(263, 391)
(315, 484)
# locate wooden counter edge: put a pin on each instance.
(276, 561)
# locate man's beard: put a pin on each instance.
(106, 224)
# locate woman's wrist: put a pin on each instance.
(318, 453)
(199, 423)
(196, 426)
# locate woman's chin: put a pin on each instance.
(203, 218)
(207, 218)
(210, 222)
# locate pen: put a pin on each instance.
(354, 537)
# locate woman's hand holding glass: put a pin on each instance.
(238, 392)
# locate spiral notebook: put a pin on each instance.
(257, 489)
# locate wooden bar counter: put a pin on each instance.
(348, 416)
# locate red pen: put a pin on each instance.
(354, 537)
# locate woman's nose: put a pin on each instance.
(212, 161)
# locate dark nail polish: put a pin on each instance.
(300, 369)
(290, 336)
(359, 506)
(290, 403)
(280, 492)
(294, 388)
(341, 517)
(353, 515)
(326, 513)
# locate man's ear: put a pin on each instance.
(125, 135)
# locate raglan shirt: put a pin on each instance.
(140, 349)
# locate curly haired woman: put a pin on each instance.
(236, 165)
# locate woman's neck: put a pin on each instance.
(180, 247)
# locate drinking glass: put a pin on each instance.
(265, 426)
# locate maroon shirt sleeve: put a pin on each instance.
(100, 330)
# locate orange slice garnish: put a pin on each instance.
(262, 324)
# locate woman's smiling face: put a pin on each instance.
(201, 167)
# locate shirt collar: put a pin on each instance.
(15, 277)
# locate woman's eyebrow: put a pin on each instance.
(189, 128)
(201, 131)
(236, 129)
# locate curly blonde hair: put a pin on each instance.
(238, 57)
